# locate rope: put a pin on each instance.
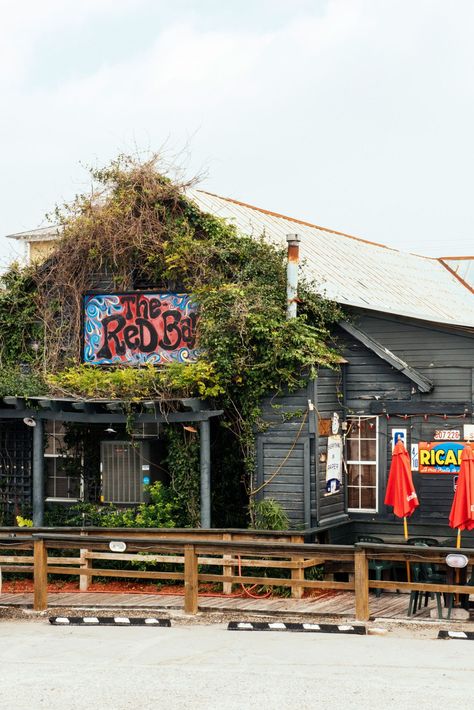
(277, 471)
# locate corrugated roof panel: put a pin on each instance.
(356, 272)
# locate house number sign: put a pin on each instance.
(447, 435)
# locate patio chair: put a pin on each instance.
(377, 566)
(425, 572)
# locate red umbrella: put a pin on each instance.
(400, 489)
(462, 510)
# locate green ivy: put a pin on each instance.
(142, 224)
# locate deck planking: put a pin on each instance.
(389, 605)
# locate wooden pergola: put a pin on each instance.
(36, 410)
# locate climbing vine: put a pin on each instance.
(138, 227)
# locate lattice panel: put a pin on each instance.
(15, 469)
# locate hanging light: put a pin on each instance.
(110, 430)
(192, 429)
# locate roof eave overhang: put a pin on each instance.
(423, 383)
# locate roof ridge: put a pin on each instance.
(455, 258)
(297, 221)
(456, 275)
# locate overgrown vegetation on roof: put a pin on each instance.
(137, 224)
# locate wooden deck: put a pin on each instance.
(342, 604)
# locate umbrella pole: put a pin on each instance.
(456, 574)
(405, 530)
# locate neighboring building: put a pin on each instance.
(408, 371)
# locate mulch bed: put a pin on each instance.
(19, 586)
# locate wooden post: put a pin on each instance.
(361, 585)
(297, 573)
(190, 580)
(227, 570)
(85, 563)
(40, 602)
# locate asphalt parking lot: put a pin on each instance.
(207, 666)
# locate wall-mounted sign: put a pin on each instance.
(447, 435)
(334, 465)
(324, 427)
(335, 423)
(139, 328)
(440, 456)
(399, 435)
(469, 432)
(414, 457)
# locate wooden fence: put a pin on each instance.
(229, 557)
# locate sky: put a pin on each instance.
(356, 115)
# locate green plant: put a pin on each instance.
(138, 224)
(23, 522)
(268, 514)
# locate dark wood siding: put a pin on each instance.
(444, 355)
(286, 448)
(329, 389)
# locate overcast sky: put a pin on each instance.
(353, 114)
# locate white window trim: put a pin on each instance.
(62, 499)
(366, 462)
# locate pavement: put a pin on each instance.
(204, 666)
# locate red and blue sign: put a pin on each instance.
(139, 328)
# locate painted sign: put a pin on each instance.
(447, 434)
(139, 328)
(414, 457)
(334, 464)
(399, 435)
(440, 456)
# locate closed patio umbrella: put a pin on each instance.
(462, 509)
(400, 492)
(400, 489)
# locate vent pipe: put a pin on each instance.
(292, 274)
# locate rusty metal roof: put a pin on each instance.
(462, 266)
(354, 271)
(348, 269)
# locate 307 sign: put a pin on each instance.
(447, 435)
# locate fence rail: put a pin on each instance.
(229, 558)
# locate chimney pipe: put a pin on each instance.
(292, 274)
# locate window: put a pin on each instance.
(122, 471)
(63, 481)
(362, 457)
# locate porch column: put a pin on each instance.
(205, 452)
(38, 474)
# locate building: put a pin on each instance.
(408, 371)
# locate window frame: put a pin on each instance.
(361, 462)
(55, 455)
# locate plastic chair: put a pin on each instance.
(378, 566)
(424, 572)
(450, 597)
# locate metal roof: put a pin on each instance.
(462, 266)
(44, 234)
(354, 271)
(350, 270)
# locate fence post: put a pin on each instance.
(297, 573)
(40, 602)
(227, 570)
(84, 563)
(361, 584)
(190, 580)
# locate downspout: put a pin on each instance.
(292, 274)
